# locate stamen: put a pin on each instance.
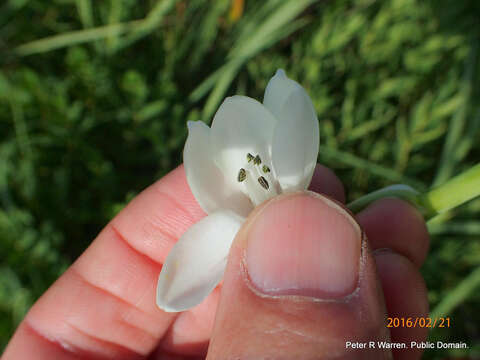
(253, 169)
(242, 175)
(263, 182)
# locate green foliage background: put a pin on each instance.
(96, 111)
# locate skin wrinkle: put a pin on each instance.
(124, 320)
(290, 331)
(134, 306)
(64, 345)
(81, 353)
(80, 276)
(87, 282)
(157, 230)
(320, 340)
(156, 225)
(102, 342)
(178, 205)
(122, 238)
(146, 293)
(117, 298)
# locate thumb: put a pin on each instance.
(300, 284)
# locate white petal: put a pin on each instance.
(279, 88)
(295, 142)
(206, 181)
(197, 262)
(241, 125)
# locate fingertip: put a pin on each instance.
(396, 224)
(405, 298)
(324, 181)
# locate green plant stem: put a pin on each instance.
(438, 200)
(399, 190)
(454, 192)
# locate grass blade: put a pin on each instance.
(74, 38)
(458, 295)
(375, 169)
(450, 155)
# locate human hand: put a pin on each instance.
(304, 249)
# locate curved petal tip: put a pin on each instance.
(190, 124)
(280, 72)
(196, 263)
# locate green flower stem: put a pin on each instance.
(399, 191)
(440, 199)
(454, 192)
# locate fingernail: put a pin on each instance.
(304, 245)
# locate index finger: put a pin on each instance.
(103, 306)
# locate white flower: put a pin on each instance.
(251, 153)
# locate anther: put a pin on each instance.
(257, 160)
(265, 169)
(242, 175)
(263, 182)
(249, 157)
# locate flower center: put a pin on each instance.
(258, 182)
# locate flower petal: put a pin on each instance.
(241, 125)
(197, 262)
(206, 181)
(278, 89)
(295, 142)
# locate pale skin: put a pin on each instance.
(103, 306)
